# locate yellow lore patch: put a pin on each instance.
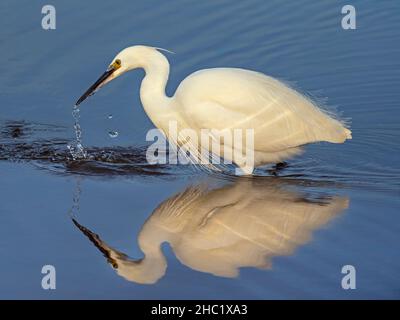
(116, 64)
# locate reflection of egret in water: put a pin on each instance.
(218, 231)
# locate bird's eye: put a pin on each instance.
(118, 62)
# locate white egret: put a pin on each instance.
(226, 99)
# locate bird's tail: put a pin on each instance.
(348, 133)
(337, 134)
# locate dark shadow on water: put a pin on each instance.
(27, 142)
(44, 147)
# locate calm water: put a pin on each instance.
(101, 222)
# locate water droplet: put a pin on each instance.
(113, 134)
(110, 116)
(76, 149)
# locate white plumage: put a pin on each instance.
(283, 120)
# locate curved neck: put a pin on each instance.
(152, 90)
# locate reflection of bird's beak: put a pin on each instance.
(103, 78)
(95, 239)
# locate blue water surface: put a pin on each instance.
(333, 206)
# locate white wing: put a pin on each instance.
(282, 118)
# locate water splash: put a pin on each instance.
(76, 149)
(113, 134)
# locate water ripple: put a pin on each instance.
(24, 142)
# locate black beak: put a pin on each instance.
(96, 85)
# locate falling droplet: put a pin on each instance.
(113, 134)
(76, 149)
(110, 116)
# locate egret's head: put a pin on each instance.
(117, 67)
(128, 59)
